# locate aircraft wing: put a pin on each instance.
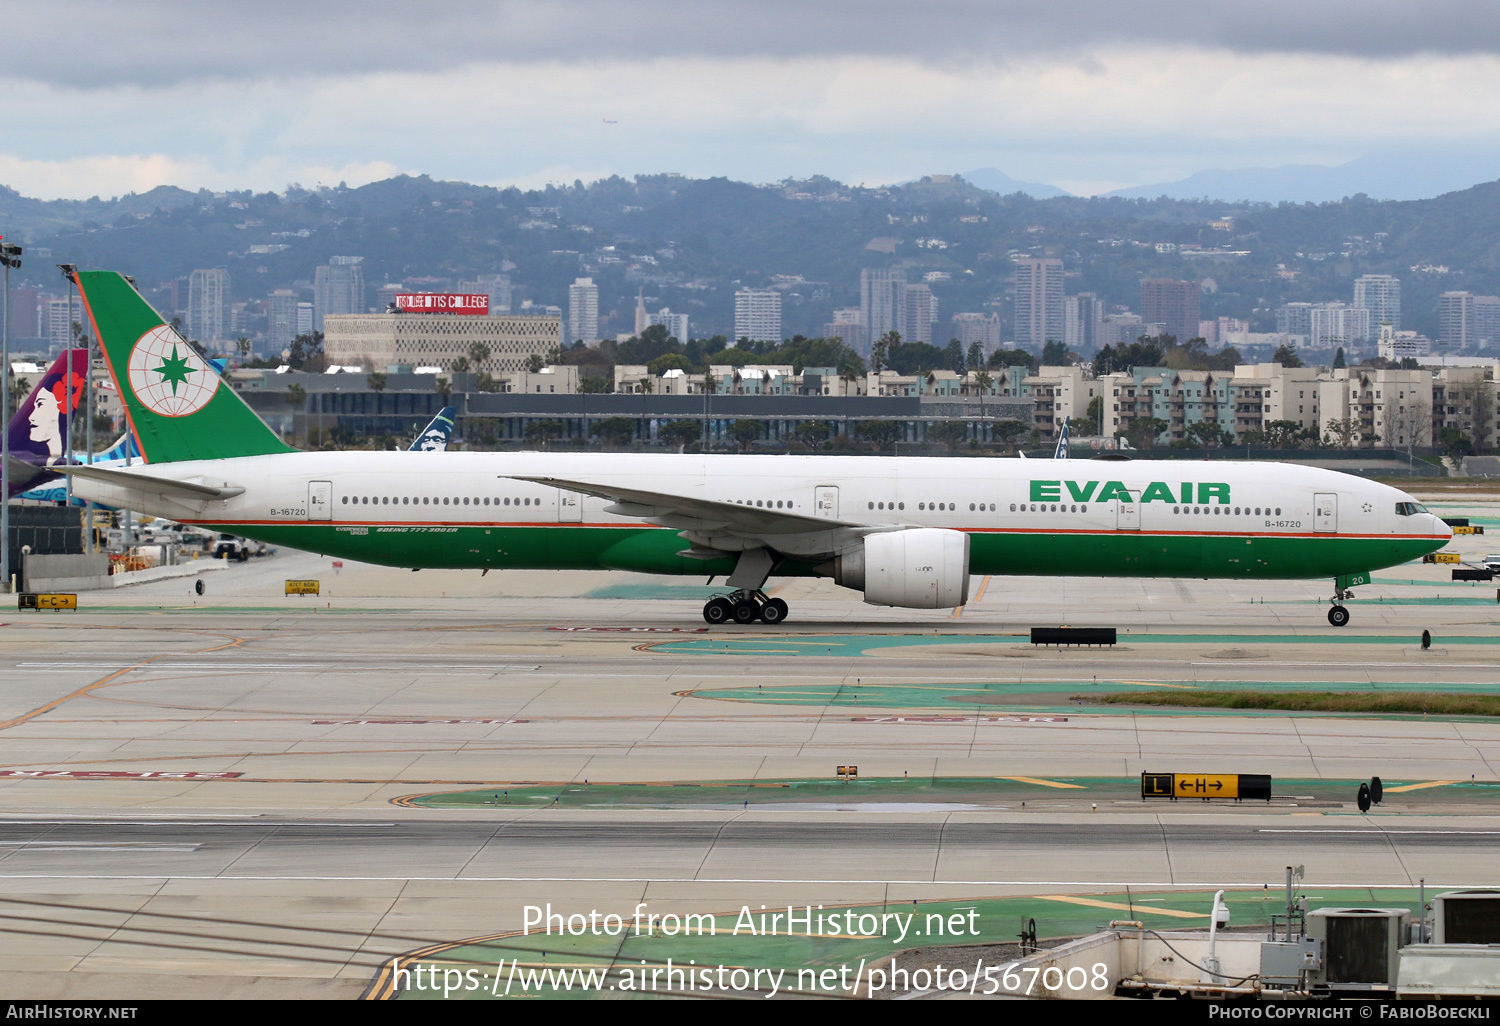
(23, 476)
(196, 490)
(688, 512)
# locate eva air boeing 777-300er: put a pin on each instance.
(904, 531)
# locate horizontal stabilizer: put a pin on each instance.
(196, 490)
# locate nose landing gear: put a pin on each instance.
(1338, 615)
(745, 606)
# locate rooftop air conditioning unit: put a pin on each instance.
(1359, 946)
(1466, 917)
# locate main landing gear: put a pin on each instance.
(1338, 615)
(745, 606)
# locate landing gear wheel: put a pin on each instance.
(1338, 616)
(745, 612)
(717, 611)
(773, 612)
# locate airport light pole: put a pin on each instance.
(10, 256)
(68, 270)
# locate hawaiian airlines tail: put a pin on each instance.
(39, 430)
(177, 406)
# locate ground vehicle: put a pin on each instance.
(231, 546)
(1492, 561)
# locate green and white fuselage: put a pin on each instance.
(486, 510)
(904, 531)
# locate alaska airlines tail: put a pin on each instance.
(39, 429)
(178, 407)
(1061, 452)
(435, 436)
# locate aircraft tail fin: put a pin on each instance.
(1061, 452)
(177, 406)
(39, 430)
(435, 436)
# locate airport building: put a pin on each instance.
(379, 341)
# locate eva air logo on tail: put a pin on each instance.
(167, 376)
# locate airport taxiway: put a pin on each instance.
(233, 770)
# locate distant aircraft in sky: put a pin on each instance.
(609, 122)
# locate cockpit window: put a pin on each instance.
(1406, 509)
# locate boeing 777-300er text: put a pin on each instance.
(904, 531)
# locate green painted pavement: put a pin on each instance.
(982, 920)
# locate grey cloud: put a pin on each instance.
(103, 43)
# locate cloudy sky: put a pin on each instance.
(108, 96)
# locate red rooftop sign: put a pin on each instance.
(444, 302)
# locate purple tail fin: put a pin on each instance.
(39, 430)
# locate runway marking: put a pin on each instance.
(1209, 885)
(109, 681)
(1419, 787)
(1151, 684)
(1095, 903)
(1044, 783)
(118, 774)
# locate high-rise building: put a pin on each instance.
(1468, 320)
(54, 313)
(24, 310)
(848, 324)
(1083, 318)
(304, 318)
(1334, 324)
(969, 328)
(921, 313)
(1039, 302)
(208, 305)
(583, 311)
(675, 323)
(882, 302)
(496, 286)
(281, 319)
(757, 315)
(1173, 303)
(1381, 295)
(338, 288)
(1294, 319)
(642, 318)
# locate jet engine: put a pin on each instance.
(919, 568)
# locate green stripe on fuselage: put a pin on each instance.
(654, 550)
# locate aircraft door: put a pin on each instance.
(826, 502)
(1127, 515)
(320, 500)
(569, 508)
(1325, 513)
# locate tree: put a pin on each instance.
(1340, 432)
(953, 355)
(1280, 434)
(883, 433)
(1001, 358)
(306, 353)
(540, 432)
(812, 433)
(1339, 362)
(478, 352)
(1456, 445)
(534, 363)
(669, 361)
(1054, 354)
(242, 344)
(682, 433)
(296, 394)
(377, 382)
(443, 387)
(616, 431)
(1287, 356)
(746, 432)
(982, 382)
(1007, 431)
(1412, 422)
(1478, 398)
(1095, 414)
(1144, 431)
(461, 365)
(976, 355)
(1208, 435)
(951, 433)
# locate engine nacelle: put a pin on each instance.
(919, 568)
